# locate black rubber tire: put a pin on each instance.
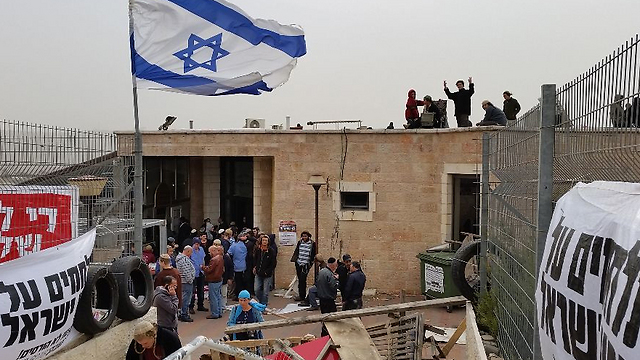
(458, 266)
(100, 293)
(136, 287)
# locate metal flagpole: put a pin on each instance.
(137, 153)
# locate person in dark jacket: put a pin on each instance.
(492, 116)
(510, 106)
(462, 101)
(352, 296)
(303, 257)
(184, 232)
(430, 107)
(327, 286)
(264, 260)
(152, 342)
(411, 113)
(165, 299)
(343, 272)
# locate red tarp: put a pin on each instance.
(310, 351)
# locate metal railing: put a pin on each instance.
(593, 134)
(46, 159)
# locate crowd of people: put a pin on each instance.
(432, 115)
(346, 276)
(239, 265)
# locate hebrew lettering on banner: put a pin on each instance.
(588, 298)
(34, 218)
(39, 295)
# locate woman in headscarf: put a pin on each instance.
(246, 312)
(151, 342)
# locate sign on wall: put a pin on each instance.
(287, 232)
(588, 298)
(34, 218)
(39, 295)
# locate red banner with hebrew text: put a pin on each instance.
(35, 218)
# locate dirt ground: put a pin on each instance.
(214, 329)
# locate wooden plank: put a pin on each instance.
(377, 310)
(456, 335)
(352, 340)
(281, 346)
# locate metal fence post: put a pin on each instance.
(484, 212)
(545, 184)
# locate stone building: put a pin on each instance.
(389, 194)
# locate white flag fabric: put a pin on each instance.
(210, 47)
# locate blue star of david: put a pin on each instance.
(195, 42)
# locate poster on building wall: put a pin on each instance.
(587, 296)
(34, 218)
(287, 233)
(39, 296)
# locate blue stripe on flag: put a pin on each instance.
(253, 89)
(187, 83)
(236, 23)
(148, 71)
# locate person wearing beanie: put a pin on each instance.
(327, 285)
(245, 313)
(492, 116)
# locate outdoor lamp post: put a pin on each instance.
(90, 187)
(316, 181)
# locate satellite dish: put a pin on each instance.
(254, 124)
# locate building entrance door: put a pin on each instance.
(236, 190)
(466, 200)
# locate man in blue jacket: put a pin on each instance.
(197, 258)
(492, 116)
(352, 296)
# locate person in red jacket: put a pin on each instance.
(411, 114)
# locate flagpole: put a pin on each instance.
(137, 153)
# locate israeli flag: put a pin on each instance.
(209, 47)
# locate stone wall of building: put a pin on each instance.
(408, 170)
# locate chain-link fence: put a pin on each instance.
(57, 183)
(593, 133)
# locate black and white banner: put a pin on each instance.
(38, 298)
(588, 304)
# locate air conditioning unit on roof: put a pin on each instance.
(254, 123)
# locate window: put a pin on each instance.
(354, 200)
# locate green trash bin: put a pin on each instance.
(435, 274)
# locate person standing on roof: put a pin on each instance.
(510, 106)
(462, 101)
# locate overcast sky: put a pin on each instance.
(66, 62)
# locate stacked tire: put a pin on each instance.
(124, 289)
(468, 284)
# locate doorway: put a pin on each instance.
(236, 190)
(466, 209)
